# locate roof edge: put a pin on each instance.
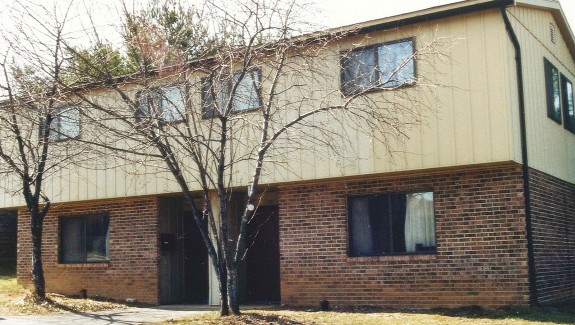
(437, 12)
(557, 11)
(422, 15)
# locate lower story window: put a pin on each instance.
(391, 223)
(84, 239)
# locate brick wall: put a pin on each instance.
(8, 228)
(481, 254)
(553, 224)
(133, 268)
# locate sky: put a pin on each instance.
(345, 12)
(331, 13)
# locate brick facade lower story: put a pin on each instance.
(553, 220)
(132, 271)
(481, 255)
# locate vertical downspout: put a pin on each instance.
(525, 167)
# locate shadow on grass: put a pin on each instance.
(79, 311)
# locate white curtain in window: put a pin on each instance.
(396, 63)
(69, 123)
(570, 103)
(173, 104)
(246, 96)
(419, 221)
(361, 227)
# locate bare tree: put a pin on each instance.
(224, 120)
(34, 127)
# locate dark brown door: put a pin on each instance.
(195, 254)
(263, 258)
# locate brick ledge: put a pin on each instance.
(84, 265)
(388, 258)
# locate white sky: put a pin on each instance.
(345, 12)
(332, 13)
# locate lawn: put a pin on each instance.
(15, 300)
(513, 316)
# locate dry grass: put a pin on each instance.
(521, 316)
(14, 300)
(22, 303)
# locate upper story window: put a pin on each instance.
(65, 124)
(553, 92)
(166, 103)
(386, 65)
(391, 223)
(217, 93)
(568, 103)
(560, 102)
(84, 239)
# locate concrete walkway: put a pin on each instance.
(131, 316)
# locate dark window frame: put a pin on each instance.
(553, 112)
(157, 94)
(85, 259)
(350, 247)
(377, 86)
(206, 86)
(568, 112)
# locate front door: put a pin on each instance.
(195, 260)
(183, 256)
(262, 257)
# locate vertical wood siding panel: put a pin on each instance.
(461, 102)
(446, 109)
(478, 81)
(100, 183)
(499, 89)
(429, 134)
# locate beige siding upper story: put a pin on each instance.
(468, 110)
(551, 148)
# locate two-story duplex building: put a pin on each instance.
(476, 208)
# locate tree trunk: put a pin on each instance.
(233, 294)
(222, 279)
(37, 269)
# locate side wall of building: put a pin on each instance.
(551, 151)
(132, 271)
(481, 256)
(553, 220)
(551, 147)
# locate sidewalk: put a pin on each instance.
(131, 316)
